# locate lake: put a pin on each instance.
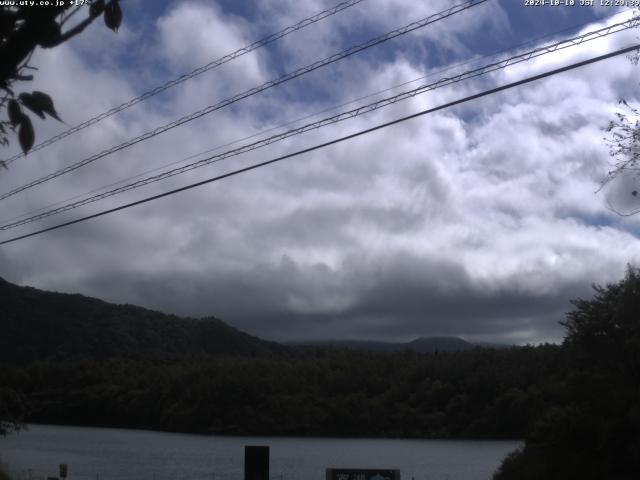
(118, 454)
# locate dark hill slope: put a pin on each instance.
(37, 325)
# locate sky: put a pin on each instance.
(481, 221)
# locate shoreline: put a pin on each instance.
(256, 435)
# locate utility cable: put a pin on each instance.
(253, 91)
(183, 78)
(334, 141)
(308, 116)
(336, 118)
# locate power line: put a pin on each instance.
(253, 91)
(308, 116)
(334, 141)
(183, 78)
(492, 67)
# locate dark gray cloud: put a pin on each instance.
(397, 297)
(480, 221)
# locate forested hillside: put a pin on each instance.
(38, 325)
(577, 404)
(476, 393)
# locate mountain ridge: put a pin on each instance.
(418, 345)
(44, 325)
(41, 325)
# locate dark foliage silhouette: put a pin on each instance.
(23, 29)
(592, 429)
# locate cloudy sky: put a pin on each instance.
(480, 221)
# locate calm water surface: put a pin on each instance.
(104, 454)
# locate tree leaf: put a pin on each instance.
(26, 135)
(49, 34)
(45, 103)
(15, 112)
(96, 8)
(29, 102)
(113, 15)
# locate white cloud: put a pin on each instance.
(478, 221)
(194, 34)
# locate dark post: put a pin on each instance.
(256, 463)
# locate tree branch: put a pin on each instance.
(74, 31)
(75, 10)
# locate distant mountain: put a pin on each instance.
(38, 325)
(440, 344)
(420, 345)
